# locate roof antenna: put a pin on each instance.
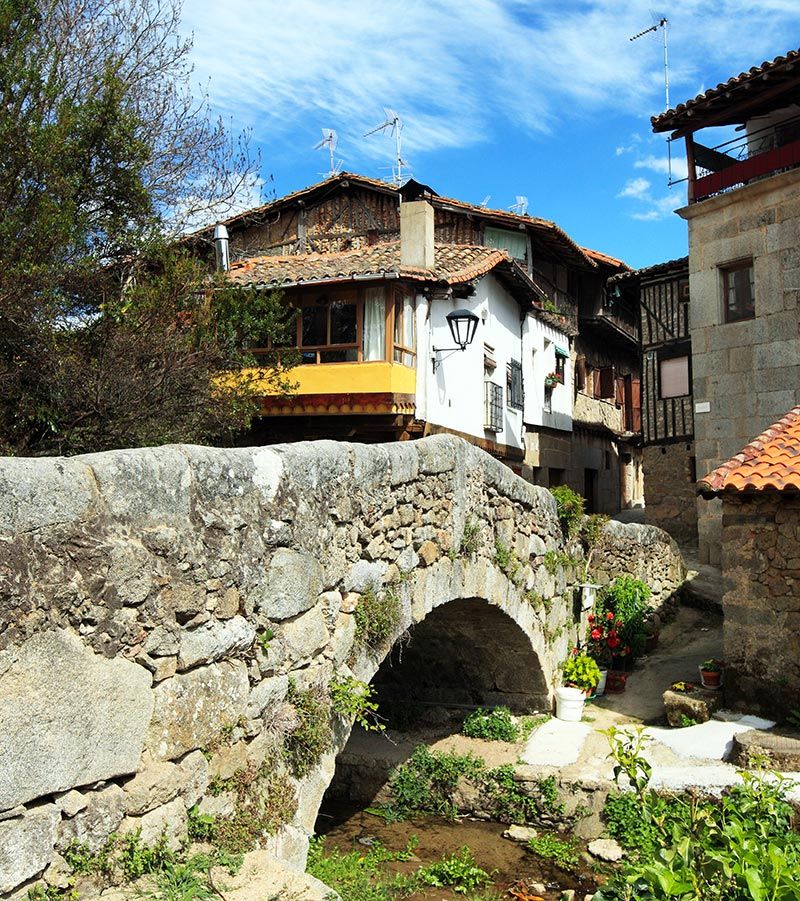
(395, 123)
(330, 139)
(485, 202)
(520, 207)
(662, 23)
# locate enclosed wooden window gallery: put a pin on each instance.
(355, 325)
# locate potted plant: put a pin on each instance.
(624, 602)
(580, 671)
(597, 647)
(711, 672)
(551, 380)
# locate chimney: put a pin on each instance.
(416, 234)
(221, 248)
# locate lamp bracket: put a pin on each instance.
(443, 350)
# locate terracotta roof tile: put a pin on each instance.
(672, 118)
(455, 264)
(601, 257)
(668, 268)
(771, 461)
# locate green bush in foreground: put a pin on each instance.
(741, 848)
(492, 725)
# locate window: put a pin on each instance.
(561, 364)
(515, 242)
(548, 399)
(738, 292)
(494, 407)
(606, 383)
(673, 377)
(405, 329)
(514, 385)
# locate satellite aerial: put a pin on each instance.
(394, 123)
(330, 139)
(485, 202)
(520, 206)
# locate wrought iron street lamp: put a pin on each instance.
(463, 325)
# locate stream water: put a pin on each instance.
(511, 866)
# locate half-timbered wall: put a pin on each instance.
(664, 309)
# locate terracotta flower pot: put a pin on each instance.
(616, 680)
(711, 678)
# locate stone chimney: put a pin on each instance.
(416, 234)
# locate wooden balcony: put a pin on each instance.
(741, 172)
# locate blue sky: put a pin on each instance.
(539, 98)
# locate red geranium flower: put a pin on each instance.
(609, 616)
(596, 633)
(614, 642)
(591, 617)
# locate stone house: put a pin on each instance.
(744, 262)
(758, 491)
(581, 431)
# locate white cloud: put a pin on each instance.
(637, 188)
(452, 67)
(661, 164)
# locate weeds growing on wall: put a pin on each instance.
(354, 701)
(377, 617)
(471, 539)
(569, 509)
(312, 735)
(506, 559)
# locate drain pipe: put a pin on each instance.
(221, 248)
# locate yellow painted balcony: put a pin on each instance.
(325, 388)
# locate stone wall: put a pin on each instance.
(749, 372)
(163, 610)
(645, 552)
(761, 570)
(671, 498)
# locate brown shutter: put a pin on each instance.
(607, 388)
(580, 373)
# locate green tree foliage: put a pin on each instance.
(107, 337)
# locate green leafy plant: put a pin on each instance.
(687, 721)
(492, 725)
(529, 723)
(502, 795)
(580, 671)
(712, 665)
(264, 637)
(623, 603)
(552, 560)
(428, 779)
(456, 871)
(201, 827)
(377, 617)
(569, 509)
(358, 875)
(564, 854)
(353, 700)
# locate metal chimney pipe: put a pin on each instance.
(221, 248)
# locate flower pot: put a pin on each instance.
(711, 678)
(601, 685)
(569, 704)
(615, 682)
(651, 643)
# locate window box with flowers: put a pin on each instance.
(551, 380)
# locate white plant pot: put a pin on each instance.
(569, 704)
(588, 595)
(601, 685)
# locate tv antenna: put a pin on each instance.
(485, 202)
(520, 206)
(662, 23)
(330, 139)
(395, 125)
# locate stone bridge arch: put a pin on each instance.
(155, 603)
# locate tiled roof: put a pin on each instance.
(455, 264)
(765, 73)
(770, 461)
(654, 270)
(605, 258)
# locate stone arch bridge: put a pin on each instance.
(156, 605)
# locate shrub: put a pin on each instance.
(377, 617)
(428, 779)
(493, 725)
(569, 508)
(625, 602)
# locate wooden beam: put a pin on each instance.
(690, 164)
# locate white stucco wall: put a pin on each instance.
(539, 343)
(453, 396)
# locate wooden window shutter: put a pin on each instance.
(580, 373)
(607, 388)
